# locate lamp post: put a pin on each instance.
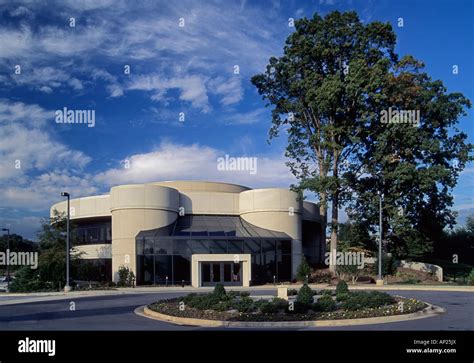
(67, 288)
(8, 262)
(379, 281)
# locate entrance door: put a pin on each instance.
(226, 273)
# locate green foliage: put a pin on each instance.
(126, 277)
(356, 234)
(459, 242)
(342, 288)
(219, 291)
(325, 303)
(342, 296)
(470, 278)
(292, 292)
(305, 295)
(328, 90)
(273, 307)
(27, 280)
(51, 272)
(303, 270)
(351, 272)
(326, 292)
(389, 265)
(361, 299)
(245, 305)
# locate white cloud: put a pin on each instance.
(34, 167)
(230, 89)
(214, 39)
(191, 88)
(171, 161)
(245, 118)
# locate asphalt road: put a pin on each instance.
(116, 313)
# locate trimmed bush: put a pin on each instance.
(303, 270)
(362, 299)
(325, 303)
(305, 295)
(219, 291)
(342, 288)
(343, 296)
(244, 294)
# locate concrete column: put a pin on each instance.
(277, 210)
(137, 208)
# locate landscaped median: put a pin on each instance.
(304, 308)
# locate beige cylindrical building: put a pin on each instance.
(195, 232)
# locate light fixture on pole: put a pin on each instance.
(67, 288)
(8, 263)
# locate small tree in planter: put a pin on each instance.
(303, 270)
(305, 295)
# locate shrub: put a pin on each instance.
(325, 303)
(305, 295)
(343, 296)
(297, 308)
(351, 272)
(219, 291)
(470, 278)
(244, 294)
(244, 305)
(223, 306)
(126, 277)
(342, 288)
(268, 308)
(362, 299)
(303, 270)
(325, 292)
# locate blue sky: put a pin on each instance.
(174, 69)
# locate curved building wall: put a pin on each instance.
(136, 208)
(209, 202)
(139, 207)
(203, 186)
(88, 207)
(278, 210)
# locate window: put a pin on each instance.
(93, 233)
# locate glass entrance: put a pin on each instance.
(226, 273)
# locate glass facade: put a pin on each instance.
(93, 233)
(160, 255)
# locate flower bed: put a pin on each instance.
(223, 306)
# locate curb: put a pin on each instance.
(429, 311)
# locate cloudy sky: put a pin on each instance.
(174, 71)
